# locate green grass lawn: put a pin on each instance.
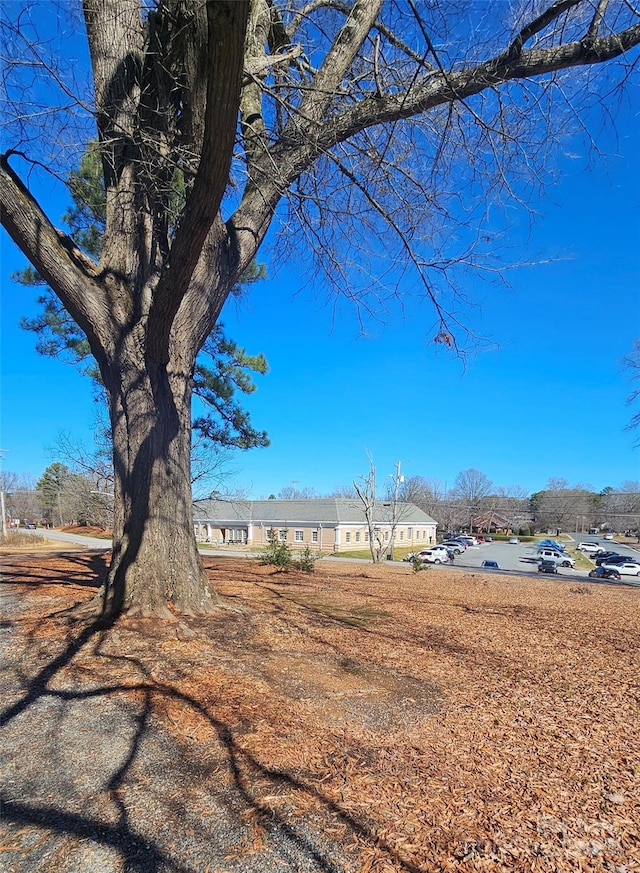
(399, 553)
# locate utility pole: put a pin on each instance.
(4, 518)
(3, 452)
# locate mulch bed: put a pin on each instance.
(392, 722)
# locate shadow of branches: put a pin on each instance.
(120, 798)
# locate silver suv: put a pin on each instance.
(561, 558)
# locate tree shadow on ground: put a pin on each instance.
(86, 569)
(139, 846)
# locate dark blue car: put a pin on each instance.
(605, 573)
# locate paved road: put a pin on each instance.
(511, 558)
(105, 545)
(60, 536)
(520, 558)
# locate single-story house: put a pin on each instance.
(492, 522)
(327, 524)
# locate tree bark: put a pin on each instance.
(155, 565)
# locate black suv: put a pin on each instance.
(611, 558)
(547, 567)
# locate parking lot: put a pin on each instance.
(521, 557)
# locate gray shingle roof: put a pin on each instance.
(330, 511)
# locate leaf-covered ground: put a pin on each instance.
(360, 718)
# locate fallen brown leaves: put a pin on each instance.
(436, 721)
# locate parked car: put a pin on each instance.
(514, 540)
(468, 540)
(608, 536)
(552, 544)
(626, 568)
(434, 555)
(490, 565)
(588, 547)
(611, 558)
(560, 558)
(455, 545)
(547, 566)
(604, 573)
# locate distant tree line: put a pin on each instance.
(82, 492)
(60, 496)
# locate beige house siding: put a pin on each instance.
(302, 534)
(354, 538)
(323, 538)
(296, 525)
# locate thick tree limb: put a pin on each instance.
(438, 89)
(337, 61)
(227, 23)
(538, 24)
(116, 44)
(284, 161)
(67, 270)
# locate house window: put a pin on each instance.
(386, 535)
(409, 533)
(299, 536)
(347, 537)
(366, 536)
(401, 534)
(314, 536)
(357, 536)
(282, 535)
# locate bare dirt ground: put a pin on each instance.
(357, 719)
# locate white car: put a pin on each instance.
(625, 568)
(455, 546)
(588, 547)
(434, 555)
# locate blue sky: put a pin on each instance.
(546, 399)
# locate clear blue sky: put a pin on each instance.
(547, 400)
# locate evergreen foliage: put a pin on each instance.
(277, 554)
(223, 369)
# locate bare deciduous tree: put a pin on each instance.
(350, 122)
(291, 492)
(21, 499)
(365, 489)
(426, 493)
(631, 364)
(382, 516)
(471, 487)
(345, 491)
(563, 507)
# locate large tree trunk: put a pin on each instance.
(155, 563)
